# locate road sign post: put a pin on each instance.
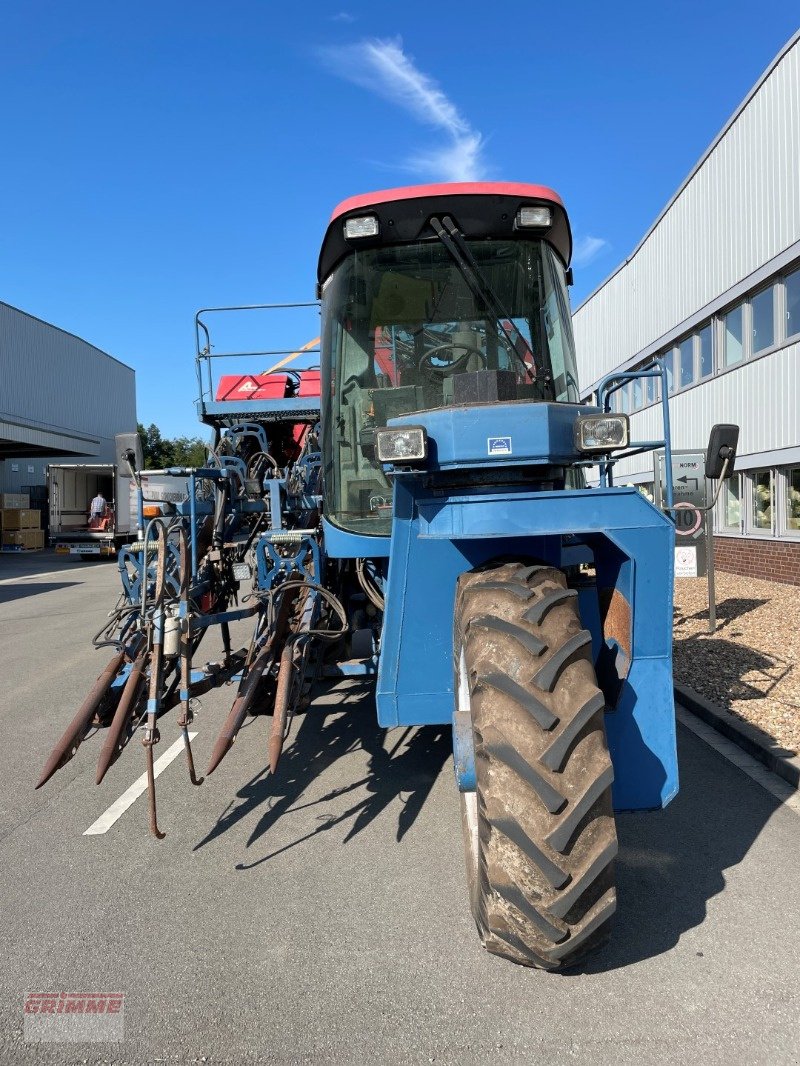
(694, 548)
(712, 587)
(689, 495)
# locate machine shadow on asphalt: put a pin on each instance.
(405, 768)
(19, 590)
(672, 863)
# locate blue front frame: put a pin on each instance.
(436, 537)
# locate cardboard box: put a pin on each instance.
(21, 518)
(23, 538)
(15, 500)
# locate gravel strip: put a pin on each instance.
(750, 665)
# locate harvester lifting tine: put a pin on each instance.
(292, 662)
(241, 705)
(151, 794)
(186, 715)
(283, 690)
(125, 708)
(248, 687)
(76, 730)
(151, 735)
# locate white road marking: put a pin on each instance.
(129, 797)
(754, 769)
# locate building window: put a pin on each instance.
(637, 394)
(668, 360)
(793, 304)
(731, 504)
(651, 390)
(761, 503)
(763, 500)
(793, 500)
(762, 309)
(733, 336)
(705, 351)
(686, 362)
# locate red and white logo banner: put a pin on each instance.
(74, 1016)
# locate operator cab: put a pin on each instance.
(422, 290)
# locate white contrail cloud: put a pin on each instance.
(383, 68)
(587, 249)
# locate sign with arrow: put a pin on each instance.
(689, 493)
(689, 478)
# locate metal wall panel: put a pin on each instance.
(739, 209)
(58, 381)
(762, 397)
(58, 390)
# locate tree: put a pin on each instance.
(160, 452)
(188, 451)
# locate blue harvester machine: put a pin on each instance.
(420, 515)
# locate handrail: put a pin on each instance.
(610, 384)
(204, 352)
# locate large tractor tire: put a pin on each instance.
(539, 832)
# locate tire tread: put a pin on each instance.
(543, 888)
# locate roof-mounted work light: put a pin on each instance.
(361, 226)
(534, 217)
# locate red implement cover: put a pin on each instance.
(309, 383)
(252, 387)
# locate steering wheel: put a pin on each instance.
(426, 364)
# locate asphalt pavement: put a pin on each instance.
(322, 916)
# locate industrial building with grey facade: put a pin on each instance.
(713, 288)
(61, 401)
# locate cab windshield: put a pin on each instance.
(400, 323)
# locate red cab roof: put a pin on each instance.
(453, 188)
(481, 209)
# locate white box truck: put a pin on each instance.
(72, 487)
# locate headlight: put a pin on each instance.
(406, 444)
(601, 433)
(361, 226)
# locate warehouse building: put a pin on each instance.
(61, 400)
(714, 289)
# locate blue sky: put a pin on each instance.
(160, 157)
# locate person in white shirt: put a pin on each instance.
(97, 508)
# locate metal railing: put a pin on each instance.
(204, 349)
(618, 380)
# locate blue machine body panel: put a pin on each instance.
(340, 544)
(499, 434)
(440, 531)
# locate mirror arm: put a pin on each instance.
(720, 482)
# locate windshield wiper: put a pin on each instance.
(458, 249)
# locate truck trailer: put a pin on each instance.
(71, 488)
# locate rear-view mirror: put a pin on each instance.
(722, 444)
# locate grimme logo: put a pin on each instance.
(78, 1016)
